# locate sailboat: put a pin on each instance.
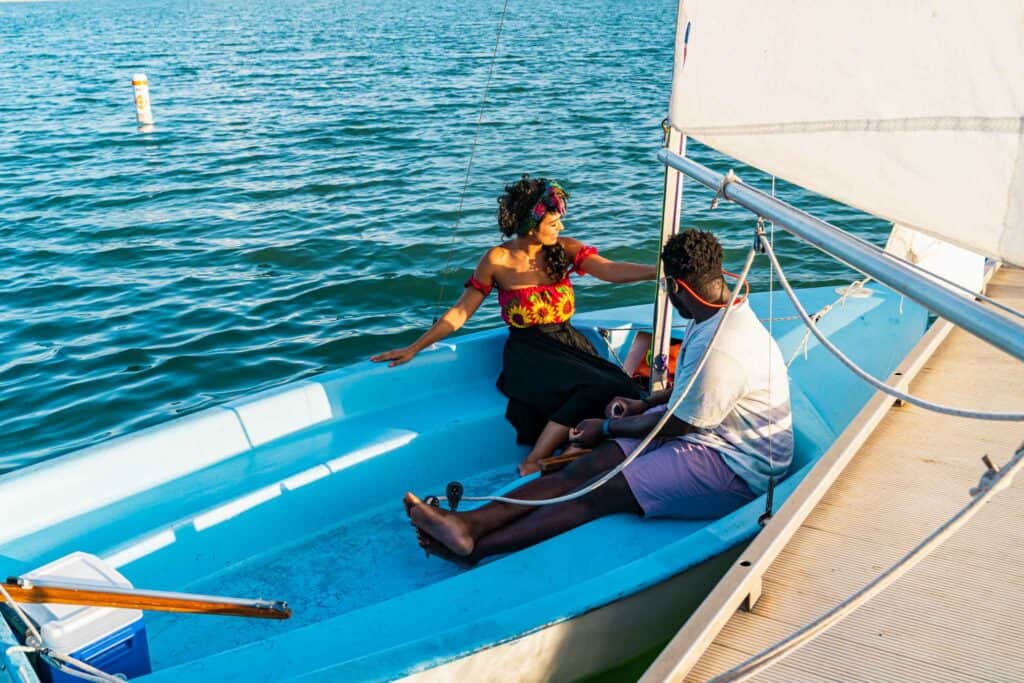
(294, 494)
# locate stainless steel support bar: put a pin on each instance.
(1001, 332)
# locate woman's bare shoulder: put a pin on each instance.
(570, 244)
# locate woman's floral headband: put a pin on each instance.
(552, 199)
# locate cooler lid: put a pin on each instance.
(67, 628)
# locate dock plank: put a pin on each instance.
(954, 617)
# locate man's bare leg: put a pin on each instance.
(614, 497)
(459, 531)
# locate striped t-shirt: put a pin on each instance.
(739, 404)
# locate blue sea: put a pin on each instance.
(296, 208)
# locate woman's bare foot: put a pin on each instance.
(441, 525)
(528, 467)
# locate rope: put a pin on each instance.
(823, 311)
(469, 167)
(729, 177)
(608, 476)
(877, 384)
(77, 668)
(991, 483)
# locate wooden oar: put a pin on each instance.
(557, 462)
(69, 593)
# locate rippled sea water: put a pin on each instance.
(294, 209)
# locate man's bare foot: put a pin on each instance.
(441, 525)
(433, 547)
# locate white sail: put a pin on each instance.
(911, 111)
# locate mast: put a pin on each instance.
(661, 337)
(671, 207)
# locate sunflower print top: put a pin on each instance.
(540, 304)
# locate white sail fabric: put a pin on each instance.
(911, 111)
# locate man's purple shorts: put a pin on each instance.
(677, 478)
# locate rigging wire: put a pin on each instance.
(469, 166)
(770, 494)
(857, 370)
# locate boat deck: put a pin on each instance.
(955, 616)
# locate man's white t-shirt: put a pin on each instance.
(739, 404)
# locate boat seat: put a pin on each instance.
(811, 434)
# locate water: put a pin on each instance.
(294, 210)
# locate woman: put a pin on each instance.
(552, 375)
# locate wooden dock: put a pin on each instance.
(956, 616)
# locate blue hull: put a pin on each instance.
(295, 495)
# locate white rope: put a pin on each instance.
(991, 483)
(657, 427)
(877, 384)
(729, 177)
(66, 663)
(78, 668)
(801, 348)
(29, 626)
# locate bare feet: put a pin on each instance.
(528, 467)
(433, 547)
(444, 527)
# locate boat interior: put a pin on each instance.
(295, 494)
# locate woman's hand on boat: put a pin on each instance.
(586, 434)
(622, 406)
(397, 356)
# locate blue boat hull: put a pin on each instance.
(294, 494)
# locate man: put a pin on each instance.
(717, 451)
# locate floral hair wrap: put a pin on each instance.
(552, 199)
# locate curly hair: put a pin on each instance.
(693, 255)
(514, 208)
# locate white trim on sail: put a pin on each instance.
(910, 111)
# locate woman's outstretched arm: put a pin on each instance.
(607, 270)
(454, 318)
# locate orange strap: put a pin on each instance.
(746, 292)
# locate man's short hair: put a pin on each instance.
(693, 255)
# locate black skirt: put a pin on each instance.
(553, 373)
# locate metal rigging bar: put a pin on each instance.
(992, 327)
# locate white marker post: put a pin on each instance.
(143, 111)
